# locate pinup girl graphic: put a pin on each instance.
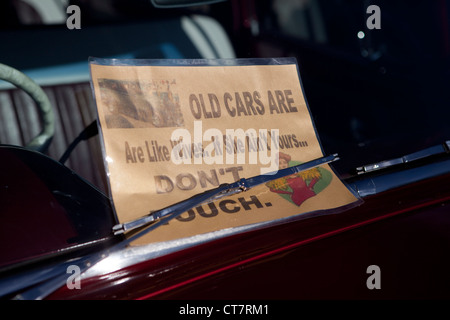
(299, 187)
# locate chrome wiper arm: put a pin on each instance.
(422, 154)
(224, 190)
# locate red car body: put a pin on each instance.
(319, 258)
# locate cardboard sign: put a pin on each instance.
(172, 131)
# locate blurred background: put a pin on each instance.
(374, 94)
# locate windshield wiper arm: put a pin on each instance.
(422, 154)
(224, 190)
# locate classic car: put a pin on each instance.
(375, 75)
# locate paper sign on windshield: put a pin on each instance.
(172, 131)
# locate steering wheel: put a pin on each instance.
(42, 141)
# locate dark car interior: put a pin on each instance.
(369, 91)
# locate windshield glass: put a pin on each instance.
(376, 79)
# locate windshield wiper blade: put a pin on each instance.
(422, 154)
(224, 190)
